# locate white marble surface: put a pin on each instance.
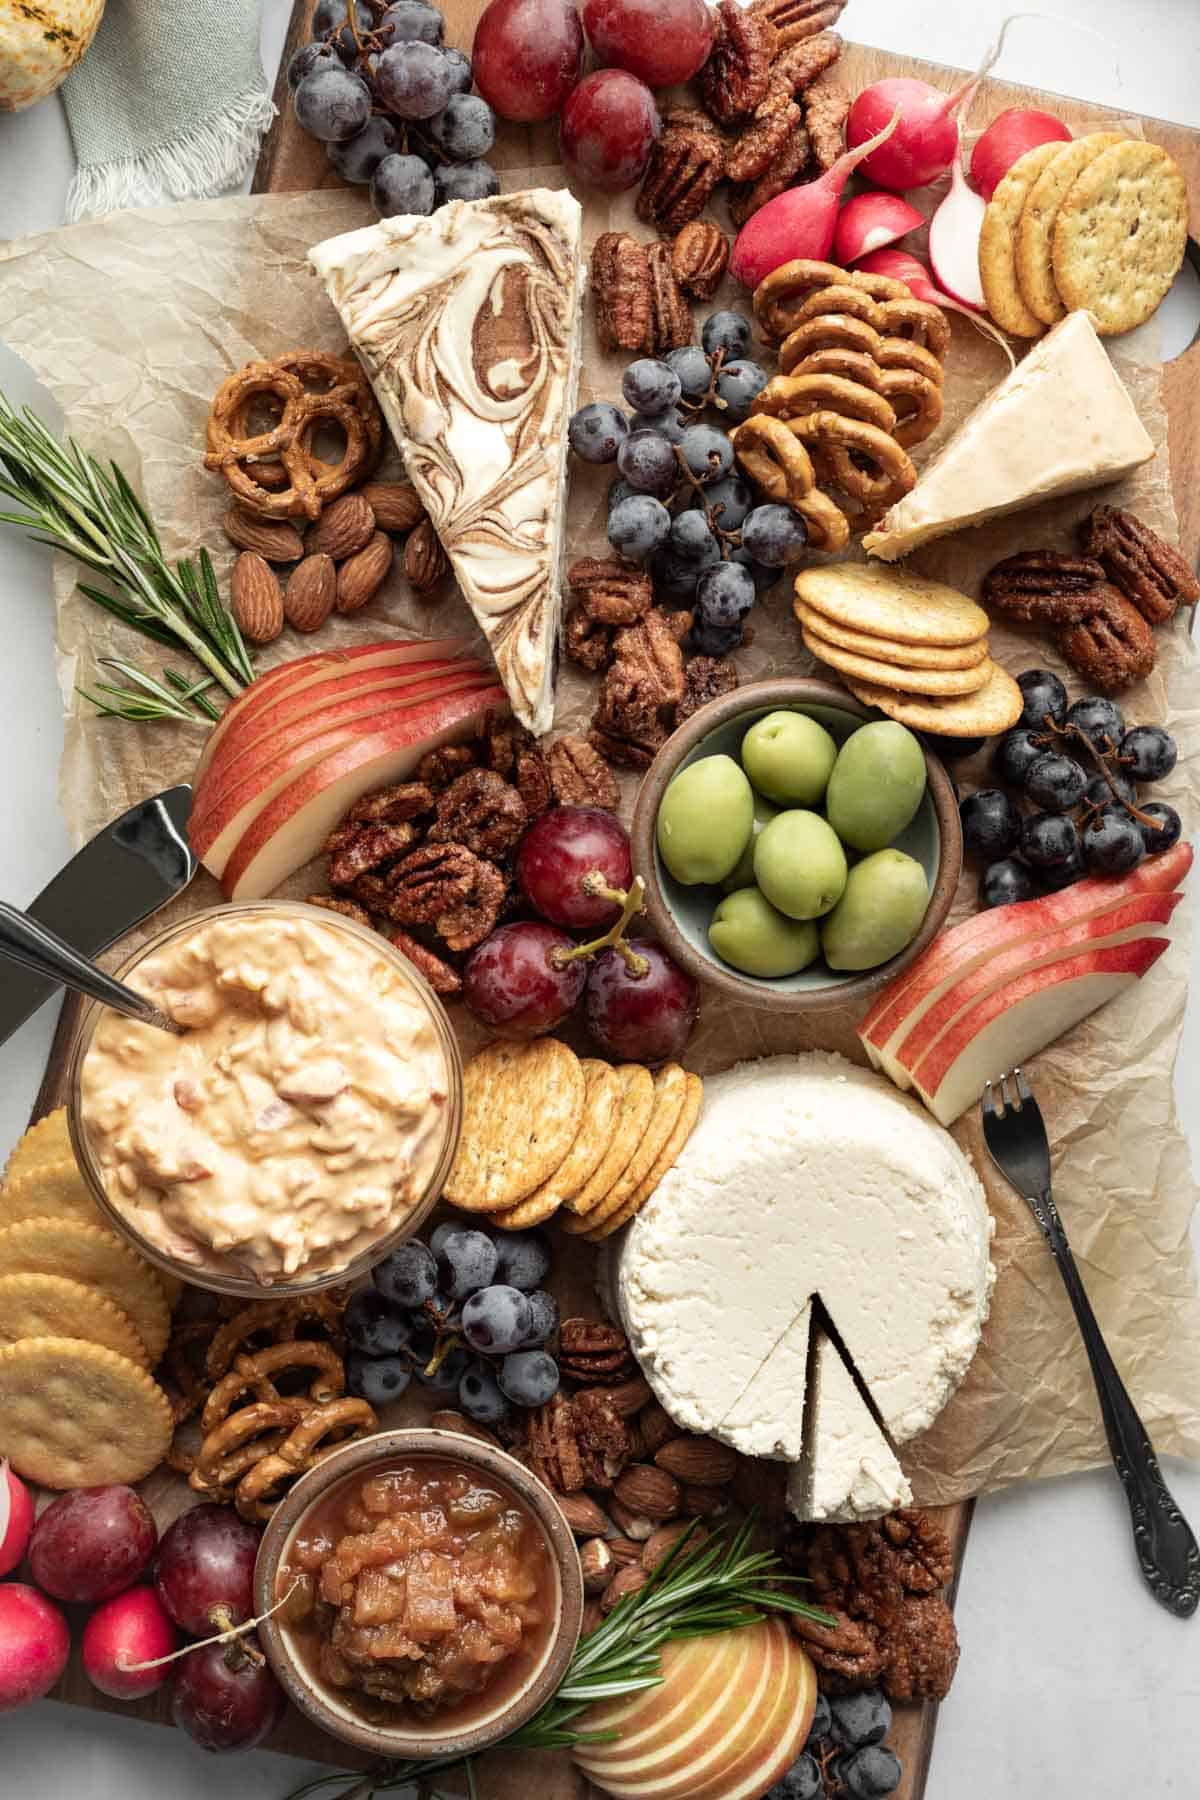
(1072, 1681)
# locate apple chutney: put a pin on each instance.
(417, 1587)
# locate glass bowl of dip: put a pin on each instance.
(301, 1126)
(402, 1527)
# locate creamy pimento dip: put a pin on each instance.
(298, 1119)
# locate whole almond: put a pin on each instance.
(256, 598)
(655, 1426)
(583, 1515)
(624, 1550)
(343, 529)
(596, 1565)
(656, 1549)
(311, 592)
(425, 561)
(649, 1491)
(447, 1420)
(396, 504)
(592, 1616)
(629, 1523)
(704, 1502)
(628, 1397)
(625, 1581)
(699, 1461)
(272, 539)
(360, 579)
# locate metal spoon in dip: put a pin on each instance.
(23, 940)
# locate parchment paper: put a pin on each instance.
(134, 321)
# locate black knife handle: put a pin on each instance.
(1165, 1544)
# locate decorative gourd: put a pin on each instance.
(40, 44)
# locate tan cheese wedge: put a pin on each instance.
(291, 829)
(319, 665)
(1009, 1025)
(988, 935)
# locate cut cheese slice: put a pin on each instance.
(468, 323)
(1061, 421)
(762, 1427)
(849, 1470)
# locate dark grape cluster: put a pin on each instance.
(678, 501)
(393, 105)
(464, 1315)
(1078, 766)
(845, 1755)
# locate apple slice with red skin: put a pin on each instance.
(291, 829)
(1140, 916)
(215, 828)
(318, 665)
(955, 952)
(1011, 1024)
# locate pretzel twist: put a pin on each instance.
(791, 396)
(851, 365)
(305, 1445)
(775, 462)
(920, 405)
(281, 1318)
(848, 444)
(918, 321)
(778, 296)
(221, 1461)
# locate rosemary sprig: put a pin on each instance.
(716, 1586)
(73, 502)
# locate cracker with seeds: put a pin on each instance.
(522, 1108)
(666, 1159)
(599, 1123)
(670, 1086)
(633, 1114)
(1121, 234)
(52, 1306)
(895, 675)
(96, 1259)
(998, 243)
(1035, 227)
(993, 709)
(73, 1414)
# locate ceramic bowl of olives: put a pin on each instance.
(798, 848)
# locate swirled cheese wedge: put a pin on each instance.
(468, 324)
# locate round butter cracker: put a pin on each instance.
(43, 1143)
(96, 1259)
(993, 709)
(905, 681)
(1035, 227)
(1121, 234)
(73, 1414)
(55, 1191)
(52, 1306)
(998, 243)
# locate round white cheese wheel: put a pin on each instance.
(806, 1176)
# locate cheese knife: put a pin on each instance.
(127, 871)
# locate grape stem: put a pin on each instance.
(630, 901)
(230, 1634)
(1077, 735)
(711, 513)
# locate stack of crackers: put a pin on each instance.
(1098, 224)
(83, 1321)
(915, 649)
(545, 1132)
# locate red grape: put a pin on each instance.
(662, 42)
(511, 983)
(93, 1543)
(645, 1017)
(608, 126)
(563, 847)
(225, 1708)
(527, 56)
(205, 1570)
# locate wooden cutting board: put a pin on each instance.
(292, 162)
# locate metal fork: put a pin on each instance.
(1166, 1547)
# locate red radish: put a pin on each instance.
(922, 147)
(901, 265)
(133, 1628)
(1006, 140)
(868, 222)
(34, 1645)
(800, 222)
(954, 239)
(16, 1518)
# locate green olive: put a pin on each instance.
(885, 899)
(788, 757)
(799, 864)
(743, 875)
(752, 935)
(876, 785)
(704, 820)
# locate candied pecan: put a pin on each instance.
(450, 888)
(438, 768)
(372, 847)
(552, 1446)
(1114, 646)
(621, 291)
(533, 781)
(920, 1649)
(783, 171)
(705, 678)
(1145, 568)
(349, 909)
(503, 737)
(699, 258)
(594, 1351)
(628, 752)
(650, 659)
(588, 643)
(795, 20)
(482, 812)
(917, 1549)
(764, 136)
(393, 805)
(373, 892)
(579, 775)
(799, 63)
(736, 75)
(671, 323)
(687, 160)
(826, 108)
(611, 591)
(440, 976)
(679, 623)
(847, 1653)
(1043, 587)
(603, 1438)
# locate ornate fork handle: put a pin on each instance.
(1165, 1545)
